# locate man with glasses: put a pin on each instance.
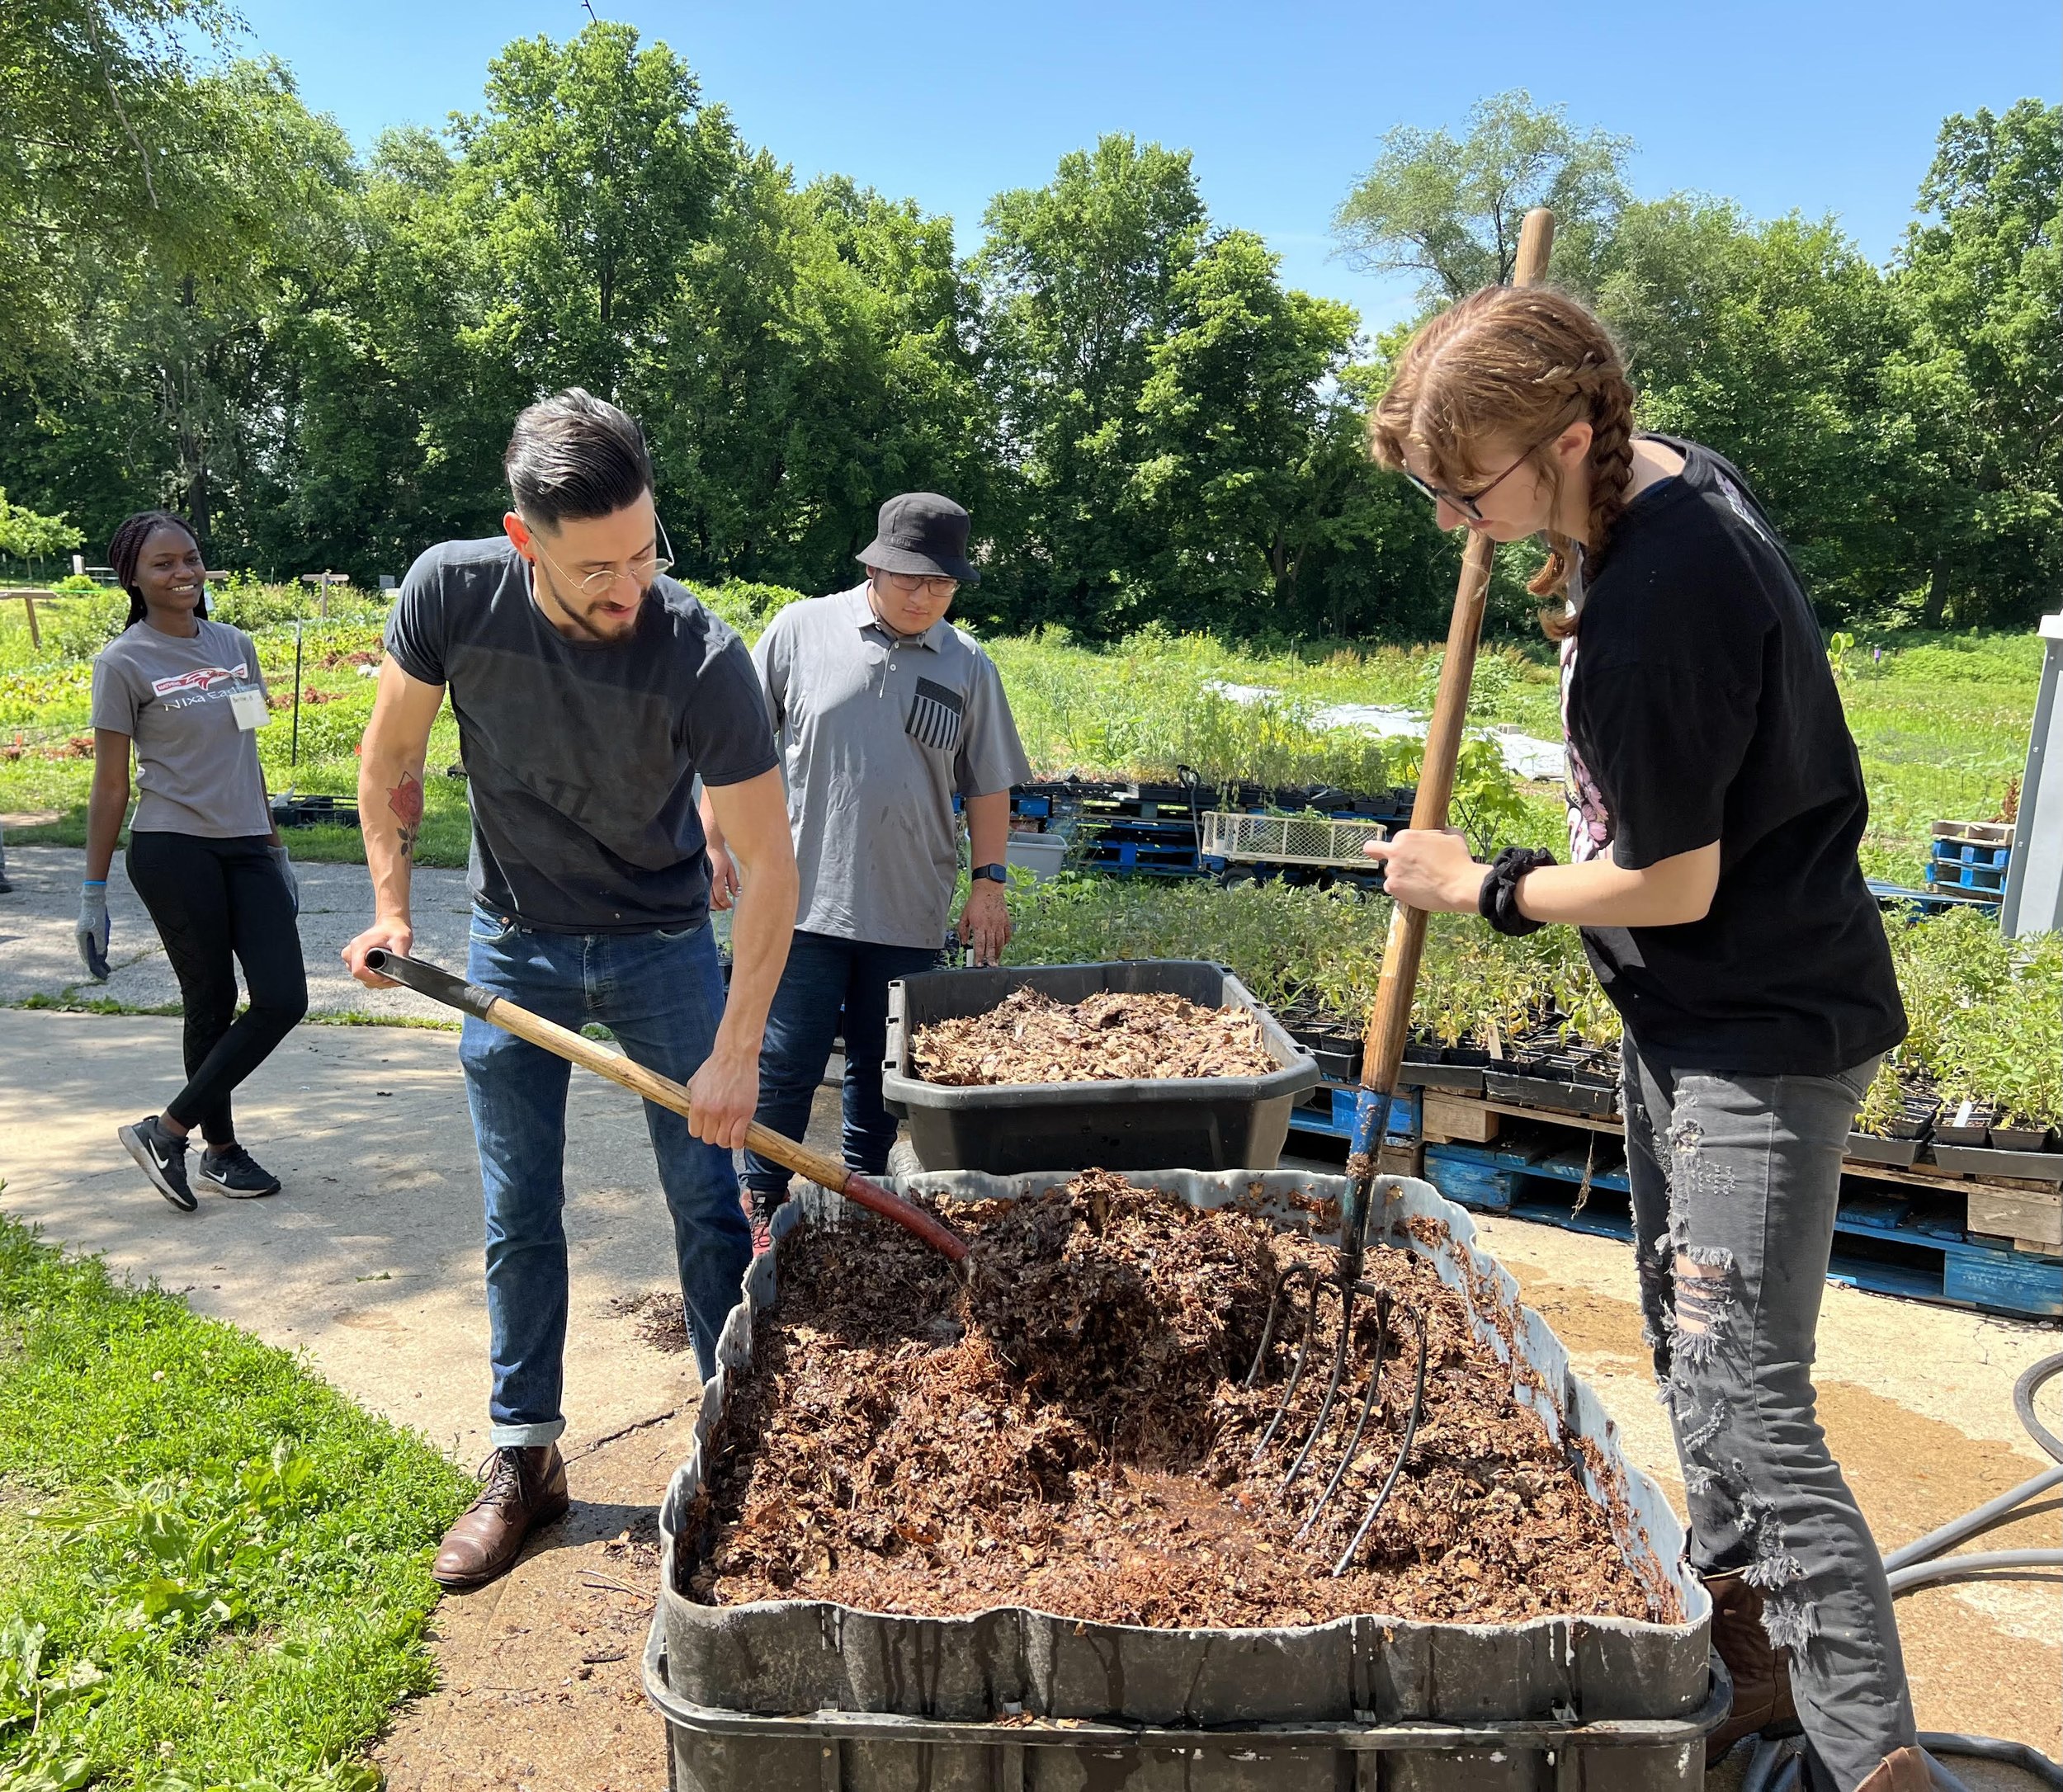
(591, 691)
(884, 712)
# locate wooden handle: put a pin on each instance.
(1389, 1020)
(576, 1048)
(825, 1171)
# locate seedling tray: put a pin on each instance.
(1202, 1123)
(1551, 1092)
(1977, 1160)
(1868, 1148)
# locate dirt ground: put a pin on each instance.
(370, 1261)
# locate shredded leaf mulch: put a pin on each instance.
(1029, 1037)
(1066, 1430)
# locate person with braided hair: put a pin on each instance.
(1716, 802)
(184, 691)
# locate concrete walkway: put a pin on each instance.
(39, 951)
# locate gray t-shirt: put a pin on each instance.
(581, 757)
(196, 768)
(877, 733)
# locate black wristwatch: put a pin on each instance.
(994, 873)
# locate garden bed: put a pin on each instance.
(1067, 1430)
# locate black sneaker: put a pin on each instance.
(162, 1156)
(237, 1173)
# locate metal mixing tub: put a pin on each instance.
(810, 1694)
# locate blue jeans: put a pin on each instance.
(662, 995)
(830, 985)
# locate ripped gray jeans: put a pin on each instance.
(1735, 1180)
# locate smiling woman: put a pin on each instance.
(186, 692)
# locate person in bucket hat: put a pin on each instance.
(883, 713)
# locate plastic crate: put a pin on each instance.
(1288, 839)
(1198, 1123)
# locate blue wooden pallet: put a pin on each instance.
(1977, 879)
(1329, 1113)
(1885, 1242)
(1968, 853)
(1925, 902)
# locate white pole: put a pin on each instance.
(2033, 901)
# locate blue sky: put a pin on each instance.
(1809, 106)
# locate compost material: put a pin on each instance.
(1066, 1430)
(1111, 1036)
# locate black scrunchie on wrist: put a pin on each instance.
(1498, 900)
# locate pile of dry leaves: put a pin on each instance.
(1030, 1038)
(1066, 1430)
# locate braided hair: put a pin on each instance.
(125, 548)
(1516, 363)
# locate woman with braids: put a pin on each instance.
(203, 852)
(1714, 805)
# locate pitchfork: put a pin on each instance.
(1382, 1057)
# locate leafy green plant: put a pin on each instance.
(1840, 645)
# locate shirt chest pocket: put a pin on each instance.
(937, 716)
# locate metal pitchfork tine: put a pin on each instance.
(1350, 1283)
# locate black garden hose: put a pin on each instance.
(1777, 1768)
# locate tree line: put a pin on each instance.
(208, 299)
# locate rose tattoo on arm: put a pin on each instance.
(405, 799)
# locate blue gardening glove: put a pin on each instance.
(93, 928)
(286, 876)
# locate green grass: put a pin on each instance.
(154, 1462)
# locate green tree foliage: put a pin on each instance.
(25, 534)
(1182, 434)
(1450, 210)
(208, 300)
(1981, 289)
(1901, 425)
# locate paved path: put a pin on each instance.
(39, 953)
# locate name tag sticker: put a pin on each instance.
(249, 710)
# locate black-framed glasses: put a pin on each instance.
(641, 573)
(1470, 506)
(908, 584)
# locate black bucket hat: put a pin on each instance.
(923, 533)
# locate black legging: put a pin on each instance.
(211, 898)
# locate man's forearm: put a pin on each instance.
(390, 817)
(763, 925)
(988, 827)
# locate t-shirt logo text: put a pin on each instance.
(201, 678)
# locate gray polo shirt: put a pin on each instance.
(876, 734)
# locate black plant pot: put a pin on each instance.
(2022, 1138)
(1870, 1147)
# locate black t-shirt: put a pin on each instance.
(1699, 706)
(581, 757)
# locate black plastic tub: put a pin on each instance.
(1195, 1123)
(808, 1696)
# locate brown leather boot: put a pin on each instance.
(1762, 1674)
(1904, 1771)
(525, 1487)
